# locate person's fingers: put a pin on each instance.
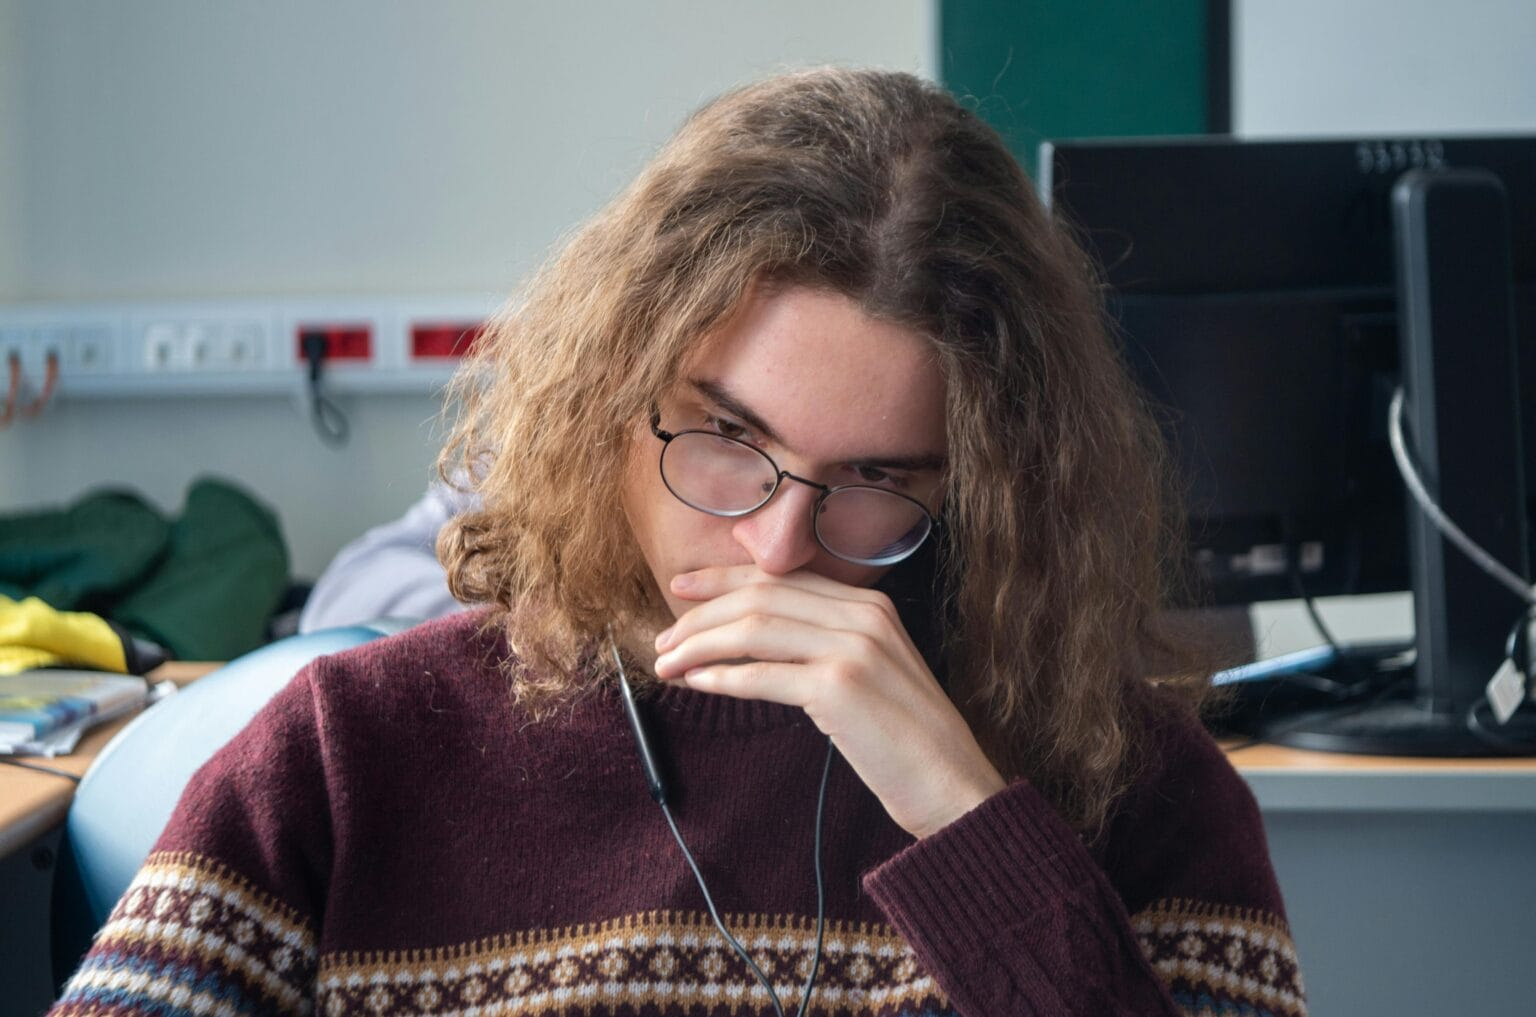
(769, 599)
(774, 681)
(760, 637)
(708, 583)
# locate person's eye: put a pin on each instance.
(877, 477)
(728, 428)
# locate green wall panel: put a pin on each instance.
(1040, 69)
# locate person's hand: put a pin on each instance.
(840, 653)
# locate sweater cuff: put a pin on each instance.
(992, 869)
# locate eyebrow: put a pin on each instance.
(721, 397)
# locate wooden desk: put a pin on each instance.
(1264, 758)
(1291, 780)
(32, 803)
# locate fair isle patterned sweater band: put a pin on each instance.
(184, 917)
(658, 962)
(1206, 953)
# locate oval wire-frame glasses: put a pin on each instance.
(724, 476)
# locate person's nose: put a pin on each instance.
(781, 536)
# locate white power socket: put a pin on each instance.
(227, 347)
(210, 344)
(89, 349)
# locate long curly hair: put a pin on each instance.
(1057, 523)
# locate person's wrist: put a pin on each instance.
(971, 796)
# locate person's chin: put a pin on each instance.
(673, 609)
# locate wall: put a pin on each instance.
(1383, 66)
(178, 149)
(10, 155)
(1064, 69)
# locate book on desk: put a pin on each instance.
(44, 712)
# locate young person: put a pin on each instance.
(814, 439)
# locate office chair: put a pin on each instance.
(129, 792)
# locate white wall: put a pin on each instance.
(1383, 66)
(178, 149)
(1374, 67)
(10, 155)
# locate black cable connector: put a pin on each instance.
(329, 421)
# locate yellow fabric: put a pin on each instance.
(32, 634)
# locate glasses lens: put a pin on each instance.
(871, 526)
(717, 474)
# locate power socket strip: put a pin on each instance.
(239, 346)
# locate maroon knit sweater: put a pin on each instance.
(389, 836)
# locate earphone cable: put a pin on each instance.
(709, 902)
(821, 891)
(821, 911)
(658, 792)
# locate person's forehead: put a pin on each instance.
(820, 372)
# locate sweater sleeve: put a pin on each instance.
(223, 916)
(1014, 914)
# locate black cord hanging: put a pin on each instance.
(329, 421)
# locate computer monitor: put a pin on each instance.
(1256, 286)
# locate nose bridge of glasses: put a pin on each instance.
(780, 532)
(784, 475)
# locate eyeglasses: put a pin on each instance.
(723, 476)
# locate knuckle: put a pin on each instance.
(878, 612)
(866, 648)
(757, 593)
(755, 622)
(881, 600)
(844, 676)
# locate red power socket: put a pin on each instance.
(342, 342)
(443, 340)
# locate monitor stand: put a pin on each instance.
(1402, 727)
(1462, 421)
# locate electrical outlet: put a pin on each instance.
(242, 346)
(204, 345)
(162, 347)
(28, 354)
(49, 341)
(14, 342)
(439, 340)
(15, 346)
(31, 345)
(88, 349)
(350, 341)
(49, 345)
(197, 339)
